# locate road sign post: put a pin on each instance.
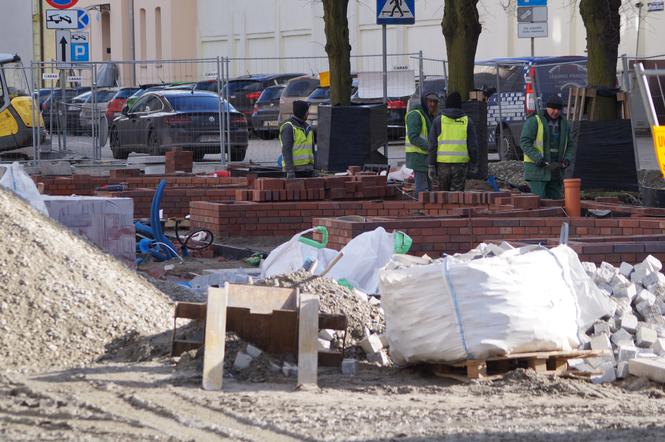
(532, 20)
(392, 12)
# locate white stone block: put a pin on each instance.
(254, 352)
(605, 273)
(609, 375)
(606, 289)
(629, 323)
(289, 369)
(373, 300)
(384, 341)
(645, 337)
(625, 291)
(627, 352)
(650, 368)
(242, 361)
(349, 367)
(646, 353)
(600, 343)
(622, 337)
(655, 278)
(360, 295)
(622, 307)
(625, 269)
(322, 344)
(653, 262)
(590, 268)
(622, 370)
(601, 328)
(380, 357)
(659, 346)
(327, 334)
(371, 344)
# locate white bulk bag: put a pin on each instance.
(524, 300)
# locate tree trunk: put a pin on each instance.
(602, 22)
(461, 29)
(338, 50)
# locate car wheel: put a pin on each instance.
(238, 153)
(114, 138)
(508, 150)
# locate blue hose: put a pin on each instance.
(153, 233)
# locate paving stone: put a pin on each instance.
(327, 334)
(625, 269)
(600, 343)
(601, 327)
(622, 337)
(629, 323)
(254, 352)
(622, 370)
(605, 273)
(371, 344)
(380, 357)
(645, 295)
(242, 361)
(349, 367)
(590, 268)
(627, 352)
(323, 344)
(609, 375)
(645, 337)
(651, 368)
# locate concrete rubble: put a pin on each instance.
(634, 337)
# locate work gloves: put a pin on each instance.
(431, 173)
(290, 175)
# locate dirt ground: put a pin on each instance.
(155, 401)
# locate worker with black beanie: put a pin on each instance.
(453, 146)
(296, 138)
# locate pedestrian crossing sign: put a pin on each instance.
(395, 12)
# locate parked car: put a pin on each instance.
(165, 119)
(523, 85)
(243, 91)
(265, 119)
(118, 101)
(55, 109)
(298, 88)
(99, 104)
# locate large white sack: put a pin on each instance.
(15, 178)
(528, 299)
(292, 255)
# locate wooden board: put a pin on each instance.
(215, 339)
(308, 332)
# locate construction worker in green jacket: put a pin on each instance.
(418, 124)
(548, 149)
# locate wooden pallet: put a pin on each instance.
(551, 362)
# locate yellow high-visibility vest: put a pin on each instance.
(538, 143)
(303, 150)
(408, 147)
(452, 146)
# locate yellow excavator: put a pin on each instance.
(16, 110)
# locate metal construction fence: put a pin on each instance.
(104, 110)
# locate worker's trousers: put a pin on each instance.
(547, 189)
(451, 176)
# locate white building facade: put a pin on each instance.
(294, 28)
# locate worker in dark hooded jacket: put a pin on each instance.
(296, 138)
(418, 124)
(453, 146)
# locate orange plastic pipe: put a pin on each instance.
(571, 188)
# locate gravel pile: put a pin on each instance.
(336, 299)
(508, 172)
(651, 178)
(63, 301)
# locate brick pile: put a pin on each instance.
(315, 189)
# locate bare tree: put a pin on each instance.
(338, 49)
(461, 29)
(602, 22)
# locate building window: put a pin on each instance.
(142, 36)
(158, 33)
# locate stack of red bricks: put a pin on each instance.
(178, 161)
(316, 189)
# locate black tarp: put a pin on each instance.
(605, 158)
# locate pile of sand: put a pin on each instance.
(62, 300)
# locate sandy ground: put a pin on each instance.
(155, 401)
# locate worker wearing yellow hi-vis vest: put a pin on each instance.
(453, 146)
(296, 138)
(548, 148)
(416, 146)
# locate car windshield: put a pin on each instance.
(271, 94)
(83, 98)
(197, 103)
(511, 77)
(320, 93)
(301, 88)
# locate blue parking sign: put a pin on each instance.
(80, 52)
(521, 3)
(395, 12)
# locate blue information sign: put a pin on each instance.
(395, 12)
(521, 3)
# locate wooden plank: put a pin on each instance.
(476, 369)
(308, 331)
(537, 364)
(215, 337)
(190, 310)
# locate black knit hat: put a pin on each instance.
(454, 100)
(554, 102)
(300, 108)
